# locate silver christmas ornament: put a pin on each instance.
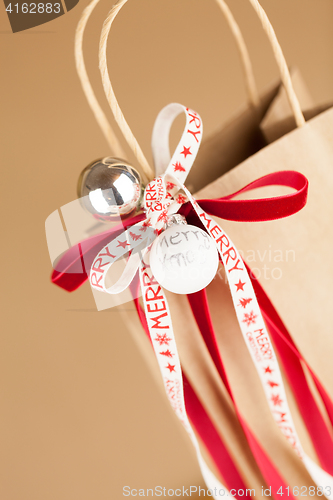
(110, 188)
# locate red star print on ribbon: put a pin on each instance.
(240, 286)
(172, 368)
(122, 244)
(186, 152)
(276, 400)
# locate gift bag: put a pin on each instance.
(280, 254)
(289, 259)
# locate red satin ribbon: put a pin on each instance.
(71, 268)
(264, 209)
(292, 361)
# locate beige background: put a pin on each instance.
(80, 414)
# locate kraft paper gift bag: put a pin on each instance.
(251, 129)
(279, 120)
(290, 258)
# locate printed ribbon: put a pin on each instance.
(161, 200)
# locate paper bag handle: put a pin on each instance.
(119, 117)
(281, 62)
(252, 92)
(99, 114)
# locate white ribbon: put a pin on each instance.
(162, 199)
(164, 344)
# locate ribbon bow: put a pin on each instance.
(162, 199)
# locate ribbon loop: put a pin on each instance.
(188, 147)
(139, 237)
(262, 209)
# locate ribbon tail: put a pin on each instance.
(200, 309)
(164, 344)
(320, 477)
(256, 336)
(294, 363)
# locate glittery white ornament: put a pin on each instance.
(184, 259)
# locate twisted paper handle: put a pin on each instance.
(112, 100)
(100, 117)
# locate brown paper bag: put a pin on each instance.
(279, 120)
(291, 258)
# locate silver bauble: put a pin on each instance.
(110, 188)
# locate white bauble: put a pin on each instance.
(184, 259)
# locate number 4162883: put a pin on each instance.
(33, 8)
(304, 491)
